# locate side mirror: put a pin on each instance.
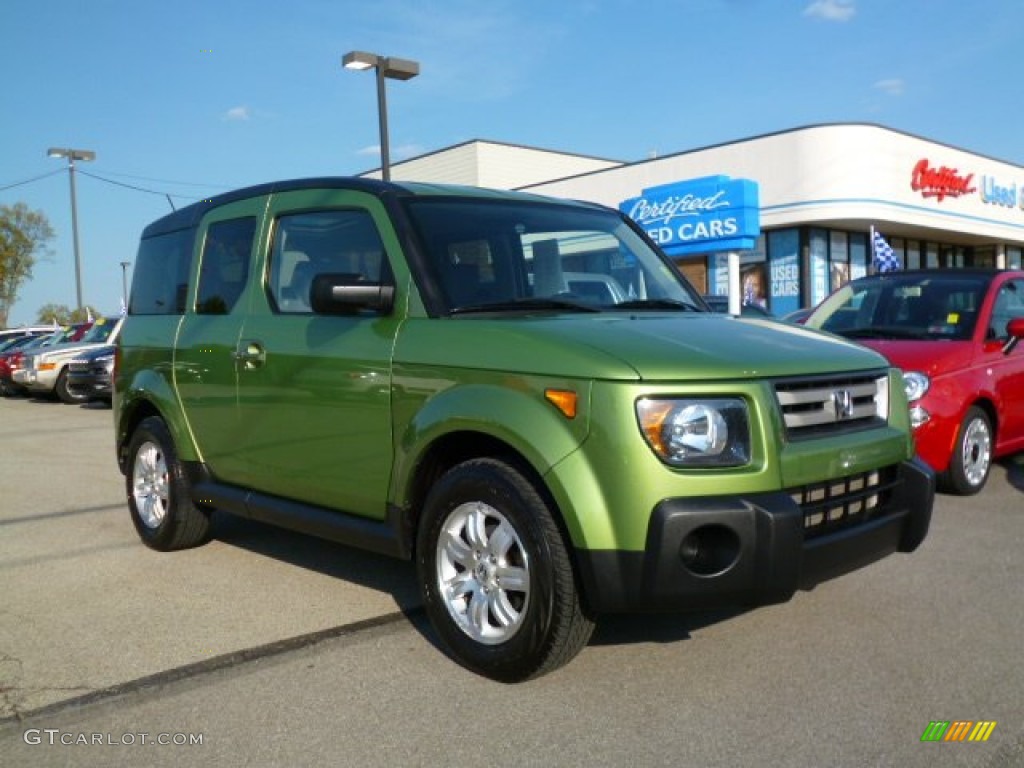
(1015, 329)
(343, 293)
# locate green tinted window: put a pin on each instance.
(225, 265)
(160, 279)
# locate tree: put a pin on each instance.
(24, 234)
(60, 314)
(54, 313)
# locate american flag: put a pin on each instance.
(885, 259)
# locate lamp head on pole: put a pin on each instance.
(390, 67)
(71, 154)
(359, 60)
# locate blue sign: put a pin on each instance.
(784, 270)
(714, 213)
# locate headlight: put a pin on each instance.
(695, 432)
(916, 385)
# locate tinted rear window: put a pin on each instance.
(160, 279)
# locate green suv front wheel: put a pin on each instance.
(495, 575)
(159, 493)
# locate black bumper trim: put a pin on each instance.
(771, 559)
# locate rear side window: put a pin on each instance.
(160, 279)
(225, 265)
(321, 242)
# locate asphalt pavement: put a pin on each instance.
(266, 647)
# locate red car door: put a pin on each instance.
(1006, 369)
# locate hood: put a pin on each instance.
(637, 346)
(95, 352)
(68, 349)
(929, 357)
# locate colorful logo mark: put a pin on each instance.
(958, 730)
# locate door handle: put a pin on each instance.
(250, 354)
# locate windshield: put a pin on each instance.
(925, 306)
(100, 331)
(500, 255)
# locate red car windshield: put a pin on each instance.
(926, 306)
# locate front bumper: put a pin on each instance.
(712, 553)
(35, 380)
(93, 384)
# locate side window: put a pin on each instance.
(321, 242)
(160, 279)
(1009, 305)
(225, 265)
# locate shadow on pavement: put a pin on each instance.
(366, 569)
(1014, 471)
(398, 578)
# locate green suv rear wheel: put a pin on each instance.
(159, 494)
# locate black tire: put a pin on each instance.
(9, 389)
(972, 455)
(159, 493)
(498, 527)
(65, 394)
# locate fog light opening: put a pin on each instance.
(709, 550)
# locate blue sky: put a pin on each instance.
(193, 98)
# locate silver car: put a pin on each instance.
(45, 372)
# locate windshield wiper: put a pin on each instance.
(527, 303)
(657, 304)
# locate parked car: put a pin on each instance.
(720, 303)
(12, 358)
(9, 334)
(400, 367)
(955, 334)
(595, 287)
(10, 342)
(44, 372)
(798, 316)
(89, 374)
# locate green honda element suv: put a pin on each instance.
(407, 368)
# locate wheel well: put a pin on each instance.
(993, 417)
(141, 410)
(457, 447)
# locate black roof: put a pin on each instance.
(187, 217)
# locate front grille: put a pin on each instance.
(827, 405)
(845, 501)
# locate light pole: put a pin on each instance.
(386, 66)
(124, 284)
(85, 156)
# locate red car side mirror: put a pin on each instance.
(1015, 328)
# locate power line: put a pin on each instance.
(122, 184)
(167, 181)
(137, 189)
(29, 181)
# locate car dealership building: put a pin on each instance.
(819, 192)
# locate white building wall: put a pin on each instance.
(490, 164)
(830, 173)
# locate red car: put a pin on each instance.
(955, 334)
